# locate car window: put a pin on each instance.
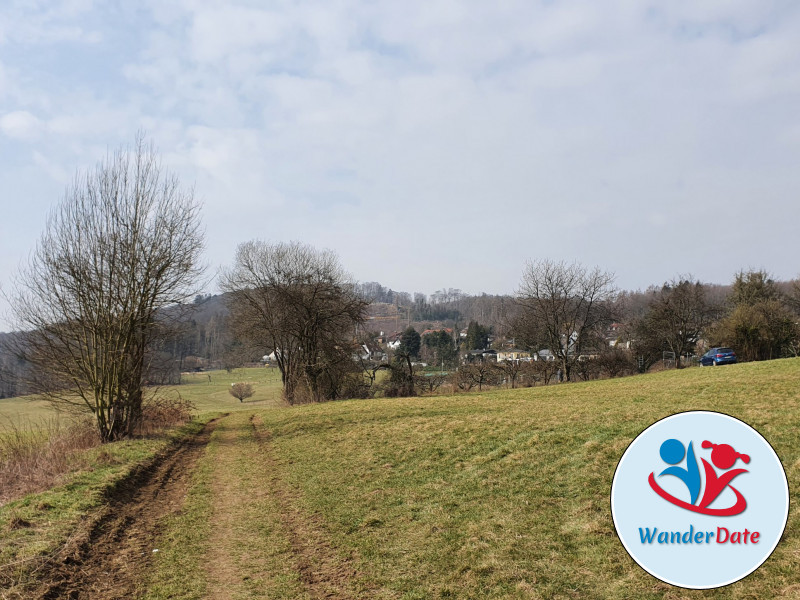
(725, 350)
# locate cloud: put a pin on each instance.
(634, 135)
(33, 23)
(219, 32)
(55, 170)
(21, 125)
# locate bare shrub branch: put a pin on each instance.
(34, 457)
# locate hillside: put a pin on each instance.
(496, 495)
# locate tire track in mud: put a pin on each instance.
(110, 557)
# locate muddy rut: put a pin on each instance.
(110, 558)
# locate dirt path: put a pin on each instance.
(109, 558)
(261, 544)
(232, 502)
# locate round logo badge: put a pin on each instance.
(700, 500)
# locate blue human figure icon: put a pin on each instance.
(672, 452)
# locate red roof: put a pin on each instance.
(427, 331)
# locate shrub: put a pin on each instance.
(162, 411)
(241, 391)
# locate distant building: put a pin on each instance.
(369, 351)
(545, 355)
(513, 354)
(614, 335)
(478, 356)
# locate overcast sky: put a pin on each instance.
(431, 144)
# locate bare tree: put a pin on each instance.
(402, 374)
(298, 302)
(429, 382)
(511, 369)
(677, 316)
(122, 245)
(241, 391)
(563, 307)
(760, 324)
(616, 362)
(793, 297)
(479, 373)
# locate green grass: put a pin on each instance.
(506, 494)
(207, 390)
(250, 552)
(23, 412)
(501, 494)
(180, 573)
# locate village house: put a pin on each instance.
(513, 354)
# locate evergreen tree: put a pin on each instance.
(443, 347)
(477, 336)
(410, 343)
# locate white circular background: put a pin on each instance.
(635, 505)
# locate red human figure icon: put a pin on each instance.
(724, 457)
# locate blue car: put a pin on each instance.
(718, 356)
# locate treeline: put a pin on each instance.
(569, 323)
(12, 370)
(446, 304)
(754, 314)
(757, 317)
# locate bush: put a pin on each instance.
(429, 383)
(356, 387)
(616, 362)
(478, 374)
(401, 381)
(760, 331)
(241, 391)
(542, 371)
(162, 411)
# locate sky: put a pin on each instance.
(430, 144)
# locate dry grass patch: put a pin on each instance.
(38, 454)
(35, 457)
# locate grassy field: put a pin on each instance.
(503, 494)
(496, 495)
(23, 411)
(208, 391)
